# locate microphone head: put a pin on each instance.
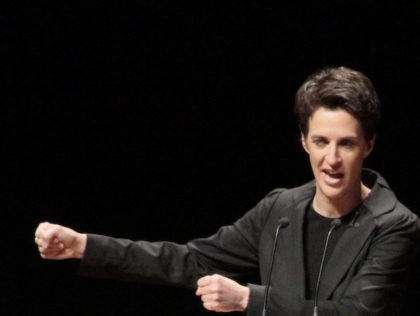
(283, 222)
(336, 222)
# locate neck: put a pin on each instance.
(335, 208)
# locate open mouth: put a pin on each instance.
(332, 177)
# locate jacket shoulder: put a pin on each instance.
(275, 191)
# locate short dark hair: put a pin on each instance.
(339, 88)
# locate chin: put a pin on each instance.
(332, 193)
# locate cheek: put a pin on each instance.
(316, 153)
(355, 162)
(315, 159)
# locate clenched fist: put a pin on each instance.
(57, 242)
(221, 294)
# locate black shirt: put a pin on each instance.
(316, 229)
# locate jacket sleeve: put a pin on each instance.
(377, 286)
(232, 252)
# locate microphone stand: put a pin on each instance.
(283, 222)
(335, 223)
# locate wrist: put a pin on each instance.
(80, 246)
(245, 298)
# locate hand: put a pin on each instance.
(221, 294)
(58, 242)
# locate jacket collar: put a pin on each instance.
(380, 200)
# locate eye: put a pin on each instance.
(320, 142)
(348, 143)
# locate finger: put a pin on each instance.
(60, 255)
(204, 280)
(209, 306)
(209, 279)
(215, 307)
(56, 254)
(38, 229)
(50, 234)
(212, 297)
(44, 246)
(209, 284)
(41, 228)
(51, 247)
(208, 302)
(38, 242)
(40, 232)
(49, 252)
(202, 284)
(50, 231)
(199, 291)
(206, 289)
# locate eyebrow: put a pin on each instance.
(353, 138)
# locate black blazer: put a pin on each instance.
(365, 274)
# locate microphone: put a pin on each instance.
(334, 224)
(283, 223)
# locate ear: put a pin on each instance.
(369, 146)
(303, 141)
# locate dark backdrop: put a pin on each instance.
(163, 120)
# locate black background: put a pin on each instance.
(163, 120)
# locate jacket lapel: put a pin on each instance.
(295, 237)
(380, 200)
(345, 251)
(290, 262)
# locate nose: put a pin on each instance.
(333, 155)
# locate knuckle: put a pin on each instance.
(216, 277)
(209, 306)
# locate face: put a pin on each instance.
(337, 149)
